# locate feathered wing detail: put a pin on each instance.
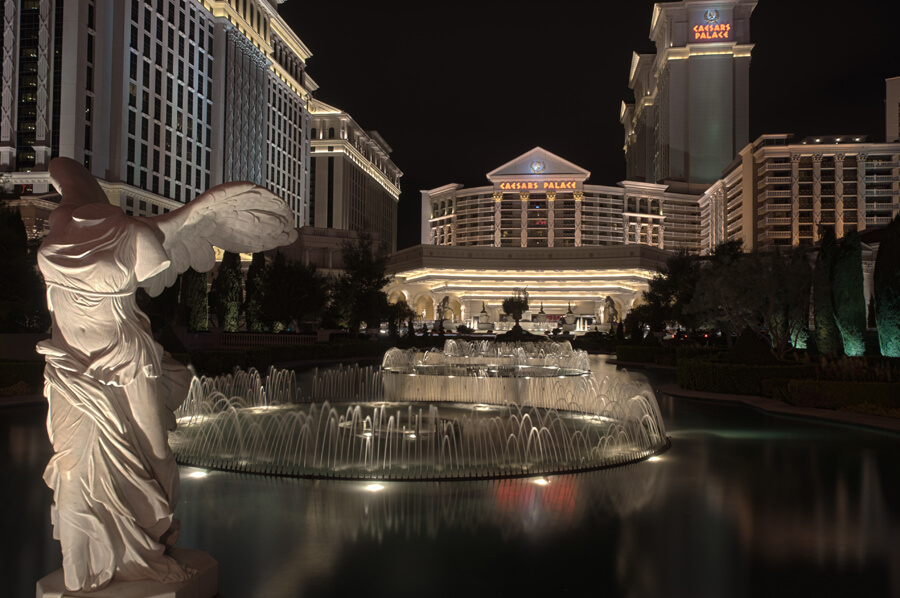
(237, 217)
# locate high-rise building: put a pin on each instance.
(892, 110)
(354, 185)
(690, 115)
(159, 99)
(782, 193)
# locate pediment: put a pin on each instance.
(538, 163)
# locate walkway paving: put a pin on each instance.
(889, 424)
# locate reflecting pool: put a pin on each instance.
(743, 504)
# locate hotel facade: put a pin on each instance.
(691, 110)
(539, 225)
(160, 100)
(782, 193)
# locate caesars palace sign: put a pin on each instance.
(712, 29)
(538, 186)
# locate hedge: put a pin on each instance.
(826, 394)
(212, 363)
(736, 378)
(643, 354)
(22, 375)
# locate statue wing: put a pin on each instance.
(237, 217)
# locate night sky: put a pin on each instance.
(458, 89)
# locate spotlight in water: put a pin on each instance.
(654, 459)
(374, 487)
(542, 481)
(198, 474)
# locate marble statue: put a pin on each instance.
(610, 313)
(111, 389)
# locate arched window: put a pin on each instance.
(331, 132)
(313, 133)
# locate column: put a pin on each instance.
(498, 199)
(817, 196)
(551, 218)
(861, 163)
(795, 199)
(523, 196)
(42, 126)
(839, 195)
(10, 89)
(579, 196)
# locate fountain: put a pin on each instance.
(472, 411)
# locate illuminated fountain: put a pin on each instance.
(471, 411)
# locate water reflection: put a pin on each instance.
(743, 504)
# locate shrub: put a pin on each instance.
(644, 354)
(735, 378)
(827, 394)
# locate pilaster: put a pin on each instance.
(498, 200)
(795, 199)
(817, 196)
(524, 196)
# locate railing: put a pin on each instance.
(250, 340)
(881, 192)
(773, 166)
(773, 180)
(771, 193)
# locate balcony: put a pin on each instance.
(773, 180)
(878, 220)
(775, 234)
(882, 178)
(882, 192)
(773, 167)
(772, 220)
(771, 193)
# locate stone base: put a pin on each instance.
(205, 584)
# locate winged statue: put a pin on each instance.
(111, 389)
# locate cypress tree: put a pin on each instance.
(828, 337)
(229, 294)
(887, 290)
(848, 296)
(256, 285)
(194, 298)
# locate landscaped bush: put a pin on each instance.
(644, 354)
(849, 396)
(21, 377)
(735, 378)
(213, 363)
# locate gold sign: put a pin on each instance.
(712, 32)
(537, 186)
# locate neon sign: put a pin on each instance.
(712, 32)
(536, 186)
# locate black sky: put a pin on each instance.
(459, 89)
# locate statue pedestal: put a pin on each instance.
(204, 584)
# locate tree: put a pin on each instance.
(357, 294)
(397, 313)
(848, 295)
(766, 291)
(670, 291)
(887, 290)
(23, 302)
(254, 295)
(828, 337)
(516, 304)
(194, 298)
(292, 293)
(229, 292)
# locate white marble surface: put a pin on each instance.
(111, 389)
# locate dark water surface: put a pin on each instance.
(743, 504)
